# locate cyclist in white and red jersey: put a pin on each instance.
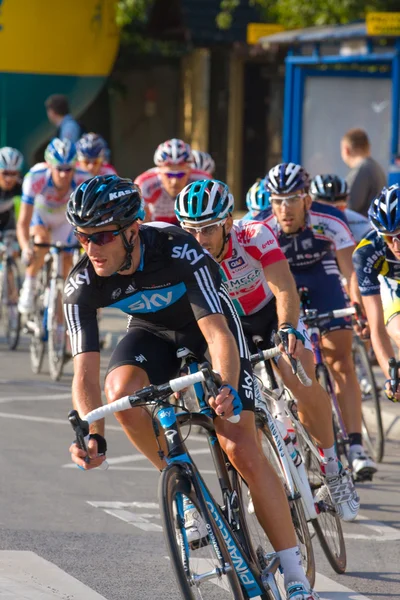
(160, 185)
(45, 192)
(264, 293)
(92, 152)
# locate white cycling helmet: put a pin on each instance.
(11, 159)
(203, 161)
(172, 152)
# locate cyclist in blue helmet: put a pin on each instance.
(377, 264)
(92, 152)
(318, 244)
(257, 199)
(45, 192)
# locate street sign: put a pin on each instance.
(255, 31)
(383, 23)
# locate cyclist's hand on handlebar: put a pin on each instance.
(360, 323)
(291, 340)
(78, 455)
(227, 403)
(394, 397)
(27, 255)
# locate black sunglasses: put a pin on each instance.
(100, 238)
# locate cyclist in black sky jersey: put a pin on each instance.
(172, 291)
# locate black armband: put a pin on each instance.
(101, 443)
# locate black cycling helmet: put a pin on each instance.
(330, 188)
(107, 200)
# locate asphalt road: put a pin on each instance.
(69, 534)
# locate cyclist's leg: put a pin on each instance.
(64, 233)
(39, 230)
(141, 357)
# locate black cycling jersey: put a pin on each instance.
(7, 212)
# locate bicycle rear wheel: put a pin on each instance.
(197, 566)
(327, 525)
(57, 333)
(10, 314)
(259, 540)
(372, 428)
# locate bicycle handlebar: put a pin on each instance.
(58, 245)
(271, 353)
(312, 316)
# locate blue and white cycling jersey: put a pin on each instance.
(326, 231)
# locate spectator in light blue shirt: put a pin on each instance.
(58, 113)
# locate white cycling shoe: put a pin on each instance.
(362, 465)
(26, 299)
(297, 591)
(196, 530)
(343, 494)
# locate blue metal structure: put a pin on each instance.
(316, 51)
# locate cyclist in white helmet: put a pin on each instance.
(11, 161)
(203, 161)
(160, 185)
(45, 193)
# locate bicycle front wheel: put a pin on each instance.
(57, 333)
(372, 428)
(11, 316)
(38, 325)
(260, 543)
(327, 525)
(203, 568)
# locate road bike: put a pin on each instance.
(10, 285)
(46, 323)
(224, 563)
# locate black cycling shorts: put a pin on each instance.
(153, 349)
(263, 323)
(7, 220)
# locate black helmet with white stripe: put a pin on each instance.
(286, 178)
(329, 188)
(204, 200)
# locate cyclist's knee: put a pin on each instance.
(123, 381)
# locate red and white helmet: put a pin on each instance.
(172, 152)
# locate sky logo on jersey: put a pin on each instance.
(74, 282)
(185, 252)
(149, 301)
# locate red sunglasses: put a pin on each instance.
(100, 238)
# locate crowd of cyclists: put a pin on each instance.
(166, 250)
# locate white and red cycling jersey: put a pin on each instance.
(159, 203)
(252, 246)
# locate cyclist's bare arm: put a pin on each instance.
(86, 392)
(345, 262)
(379, 336)
(224, 357)
(24, 220)
(283, 286)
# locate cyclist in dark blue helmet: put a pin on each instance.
(377, 264)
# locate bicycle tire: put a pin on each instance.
(296, 507)
(38, 336)
(327, 525)
(173, 483)
(341, 443)
(10, 313)
(57, 333)
(373, 434)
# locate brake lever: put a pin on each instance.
(283, 338)
(81, 429)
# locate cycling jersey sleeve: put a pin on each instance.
(28, 195)
(259, 241)
(368, 264)
(329, 223)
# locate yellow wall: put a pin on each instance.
(60, 37)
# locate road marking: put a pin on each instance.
(26, 576)
(135, 458)
(153, 470)
(34, 397)
(325, 587)
(46, 420)
(137, 519)
(383, 532)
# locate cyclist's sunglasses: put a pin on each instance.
(391, 238)
(206, 230)
(100, 238)
(10, 173)
(91, 161)
(175, 174)
(288, 200)
(65, 169)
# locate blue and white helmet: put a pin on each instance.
(384, 212)
(91, 146)
(10, 159)
(287, 177)
(172, 152)
(204, 200)
(258, 197)
(203, 161)
(60, 152)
